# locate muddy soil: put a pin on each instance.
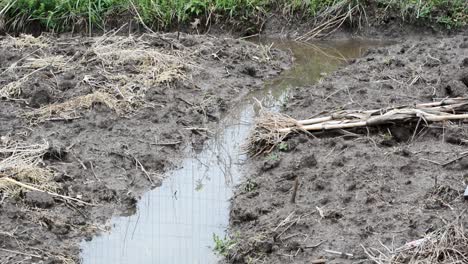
(116, 113)
(358, 188)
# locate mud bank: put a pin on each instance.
(104, 118)
(357, 189)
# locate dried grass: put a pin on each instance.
(151, 66)
(23, 163)
(448, 244)
(266, 135)
(12, 89)
(68, 109)
(24, 41)
(58, 62)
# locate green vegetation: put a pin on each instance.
(62, 15)
(450, 13)
(283, 146)
(250, 186)
(273, 156)
(222, 246)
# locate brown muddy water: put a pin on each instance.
(176, 222)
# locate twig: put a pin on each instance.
(452, 161)
(20, 253)
(92, 170)
(339, 253)
(294, 192)
(10, 180)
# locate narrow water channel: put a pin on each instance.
(176, 222)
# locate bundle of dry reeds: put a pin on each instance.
(272, 128)
(22, 163)
(22, 169)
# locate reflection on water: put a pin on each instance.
(176, 222)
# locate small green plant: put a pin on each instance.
(272, 156)
(222, 246)
(387, 136)
(283, 146)
(250, 186)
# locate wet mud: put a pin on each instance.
(378, 187)
(114, 114)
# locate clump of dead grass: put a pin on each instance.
(12, 89)
(58, 62)
(24, 41)
(449, 244)
(152, 66)
(267, 132)
(22, 163)
(69, 109)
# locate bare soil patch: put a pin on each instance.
(362, 194)
(89, 124)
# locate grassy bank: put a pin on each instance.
(63, 15)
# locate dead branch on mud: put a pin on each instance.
(273, 128)
(448, 244)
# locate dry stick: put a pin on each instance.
(20, 253)
(452, 161)
(10, 180)
(294, 192)
(318, 261)
(437, 106)
(142, 168)
(338, 253)
(94, 173)
(372, 121)
(141, 19)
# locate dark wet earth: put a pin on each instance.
(176, 222)
(363, 193)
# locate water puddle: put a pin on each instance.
(175, 223)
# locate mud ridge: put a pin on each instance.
(361, 188)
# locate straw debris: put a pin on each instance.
(69, 109)
(23, 163)
(448, 244)
(12, 89)
(57, 62)
(24, 41)
(266, 136)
